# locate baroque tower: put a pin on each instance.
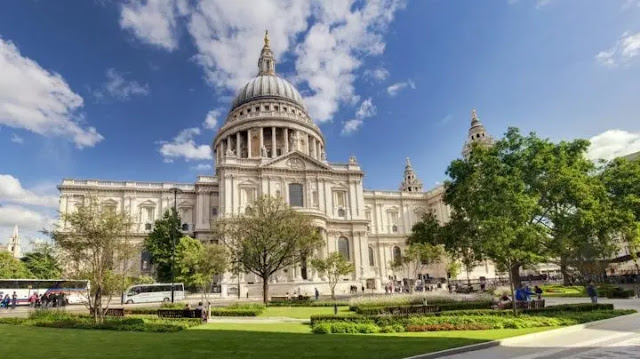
(411, 182)
(477, 134)
(14, 243)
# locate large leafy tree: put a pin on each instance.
(335, 266)
(621, 178)
(574, 206)
(269, 237)
(416, 258)
(159, 243)
(91, 243)
(12, 268)
(198, 263)
(492, 191)
(43, 262)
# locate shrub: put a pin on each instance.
(240, 305)
(59, 319)
(421, 309)
(172, 305)
(418, 298)
(618, 292)
(226, 312)
(309, 303)
(344, 328)
(340, 318)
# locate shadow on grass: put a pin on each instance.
(29, 342)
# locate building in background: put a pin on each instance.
(269, 145)
(13, 244)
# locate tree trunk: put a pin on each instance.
(97, 306)
(564, 270)
(514, 304)
(514, 274)
(238, 285)
(265, 289)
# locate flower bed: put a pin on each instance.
(56, 319)
(308, 303)
(413, 299)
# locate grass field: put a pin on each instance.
(300, 312)
(286, 340)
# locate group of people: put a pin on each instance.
(354, 289)
(13, 300)
(523, 293)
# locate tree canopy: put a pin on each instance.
(42, 262)
(270, 236)
(92, 243)
(334, 267)
(12, 268)
(159, 243)
(416, 258)
(197, 263)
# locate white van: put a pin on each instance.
(157, 292)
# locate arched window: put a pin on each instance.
(147, 226)
(343, 247)
(185, 227)
(372, 262)
(295, 195)
(396, 254)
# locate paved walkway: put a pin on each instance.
(616, 338)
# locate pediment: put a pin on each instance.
(296, 161)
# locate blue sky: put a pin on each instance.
(123, 90)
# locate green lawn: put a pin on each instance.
(300, 312)
(289, 340)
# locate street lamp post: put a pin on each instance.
(173, 244)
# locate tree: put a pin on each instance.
(12, 268)
(42, 262)
(494, 191)
(621, 178)
(461, 242)
(91, 242)
(159, 243)
(197, 263)
(270, 236)
(416, 258)
(334, 267)
(427, 230)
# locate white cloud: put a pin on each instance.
(211, 121)
(155, 21)
(202, 167)
(183, 146)
(613, 143)
(623, 51)
(538, 3)
(25, 218)
(120, 88)
(630, 4)
(367, 109)
(12, 191)
(332, 39)
(17, 139)
(378, 74)
(40, 101)
(399, 86)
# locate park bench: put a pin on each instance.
(113, 312)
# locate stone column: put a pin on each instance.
(313, 147)
(318, 152)
(223, 147)
(248, 143)
(286, 140)
(261, 129)
(273, 142)
(238, 144)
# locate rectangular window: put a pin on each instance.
(214, 211)
(296, 195)
(340, 198)
(315, 198)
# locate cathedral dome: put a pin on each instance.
(267, 87)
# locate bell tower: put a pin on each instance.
(411, 183)
(477, 134)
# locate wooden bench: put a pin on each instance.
(114, 312)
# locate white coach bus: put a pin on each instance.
(157, 292)
(75, 291)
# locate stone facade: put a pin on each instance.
(270, 146)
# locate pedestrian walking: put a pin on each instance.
(5, 302)
(317, 293)
(592, 292)
(14, 300)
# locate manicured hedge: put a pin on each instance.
(387, 324)
(55, 319)
(227, 312)
(308, 303)
(422, 309)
